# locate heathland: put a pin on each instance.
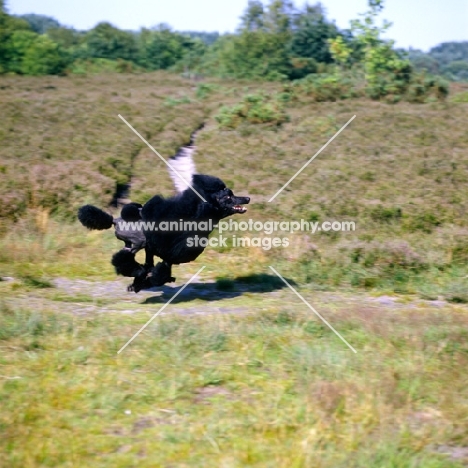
(240, 372)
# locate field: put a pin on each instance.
(237, 371)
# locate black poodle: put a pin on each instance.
(175, 229)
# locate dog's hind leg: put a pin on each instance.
(125, 264)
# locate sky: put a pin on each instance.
(420, 24)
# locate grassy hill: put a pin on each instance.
(399, 172)
(236, 371)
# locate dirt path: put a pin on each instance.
(82, 297)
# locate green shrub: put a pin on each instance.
(302, 66)
(391, 84)
(32, 54)
(19, 43)
(253, 109)
(328, 87)
(43, 57)
(425, 88)
(94, 66)
(204, 90)
(418, 88)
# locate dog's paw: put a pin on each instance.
(139, 284)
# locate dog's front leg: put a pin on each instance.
(149, 259)
(161, 274)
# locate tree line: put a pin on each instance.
(449, 59)
(274, 41)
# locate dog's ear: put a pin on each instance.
(131, 212)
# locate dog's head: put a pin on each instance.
(215, 192)
(228, 204)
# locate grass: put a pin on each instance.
(61, 250)
(237, 374)
(54, 127)
(273, 387)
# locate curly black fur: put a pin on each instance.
(131, 212)
(126, 265)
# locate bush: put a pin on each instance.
(249, 55)
(162, 48)
(302, 66)
(391, 87)
(328, 87)
(43, 57)
(17, 46)
(391, 84)
(100, 65)
(408, 86)
(107, 41)
(204, 90)
(254, 109)
(31, 54)
(424, 88)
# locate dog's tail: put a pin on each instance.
(94, 218)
